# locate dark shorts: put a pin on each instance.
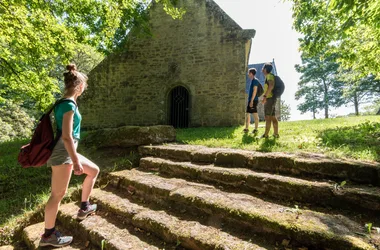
(270, 107)
(252, 109)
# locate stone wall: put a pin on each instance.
(206, 52)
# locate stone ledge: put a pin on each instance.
(308, 165)
(130, 136)
(275, 186)
(32, 235)
(6, 248)
(97, 229)
(304, 226)
(191, 234)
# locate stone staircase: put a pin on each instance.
(193, 197)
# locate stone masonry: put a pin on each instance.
(205, 52)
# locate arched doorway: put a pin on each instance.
(179, 107)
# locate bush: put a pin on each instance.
(14, 122)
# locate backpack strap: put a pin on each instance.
(59, 102)
(59, 132)
(266, 82)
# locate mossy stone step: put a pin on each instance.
(303, 165)
(6, 247)
(32, 235)
(275, 186)
(190, 234)
(306, 227)
(97, 230)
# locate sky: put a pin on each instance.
(275, 39)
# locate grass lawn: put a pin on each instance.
(351, 137)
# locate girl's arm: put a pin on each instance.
(68, 140)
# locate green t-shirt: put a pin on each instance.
(61, 109)
(269, 77)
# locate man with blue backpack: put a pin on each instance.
(273, 89)
(255, 90)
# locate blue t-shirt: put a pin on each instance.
(254, 83)
(61, 109)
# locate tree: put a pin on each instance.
(285, 111)
(319, 85)
(36, 36)
(361, 91)
(373, 108)
(313, 99)
(14, 122)
(347, 27)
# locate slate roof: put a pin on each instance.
(259, 74)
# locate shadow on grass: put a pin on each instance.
(249, 139)
(363, 138)
(267, 145)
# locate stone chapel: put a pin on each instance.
(188, 73)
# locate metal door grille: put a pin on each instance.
(179, 107)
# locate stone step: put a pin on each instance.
(9, 247)
(306, 227)
(275, 186)
(32, 235)
(189, 234)
(99, 231)
(305, 165)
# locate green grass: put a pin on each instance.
(351, 137)
(22, 191)
(25, 191)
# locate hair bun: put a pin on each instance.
(71, 67)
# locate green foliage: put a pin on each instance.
(368, 226)
(360, 91)
(320, 87)
(14, 122)
(349, 28)
(39, 37)
(349, 137)
(343, 183)
(285, 111)
(169, 8)
(373, 109)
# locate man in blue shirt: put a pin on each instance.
(253, 100)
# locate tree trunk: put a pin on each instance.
(378, 112)
(326, 98)
(356, 103)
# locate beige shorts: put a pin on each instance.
(60, 156)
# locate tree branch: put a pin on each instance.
(12, 69)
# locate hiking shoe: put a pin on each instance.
(55, 240)
(264, 137)
(82, 214)
(245, 130)
(276, 135)
(255, 131)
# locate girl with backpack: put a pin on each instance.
(65, 159)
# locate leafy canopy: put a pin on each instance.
(349, 28)
(39, 37)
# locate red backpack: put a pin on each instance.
(39, 150)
